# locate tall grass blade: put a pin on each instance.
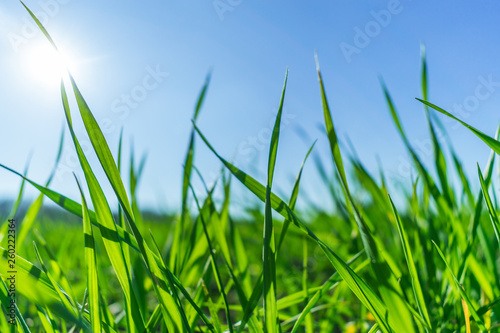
(115, 251)
(215, 267)
(474, 227)
(439, 159)
(293, 199)
(355, 283)
(491, 209)
(399, 316)
(461, 290)
(491, 142)
(429, 182)
(412, 269)
(91, 263)
(176, 254)
(75, 208)
(167, 306)
(271, 320)
(108, 229)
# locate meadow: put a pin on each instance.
(366, 267)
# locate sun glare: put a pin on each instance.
(45, 65)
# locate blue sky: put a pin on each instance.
(141, 65)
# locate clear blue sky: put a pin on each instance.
(115, 45)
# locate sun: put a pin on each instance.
(46, 65)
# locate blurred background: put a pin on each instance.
(141, 65)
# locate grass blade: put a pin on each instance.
(491, 142)
(491, 209)
(466, 316)
(458, 286)
(214, 265)
(355, 283)
(322, 291)
(439, 159)
(271, 320)
(176, 258)
(75, 208)
(115, 251)
(108, 229)
(293, 199)
(399, 316)
(412, 269)
(91, 263)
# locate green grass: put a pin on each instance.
(428, 267)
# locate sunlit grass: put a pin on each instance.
(431, 267)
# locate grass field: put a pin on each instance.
(431, 267)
